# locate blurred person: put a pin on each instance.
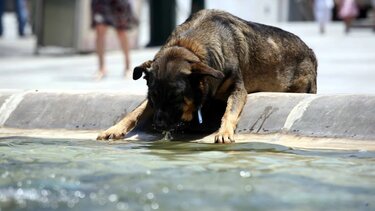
(2, 2)
(118, 14)
(323, 12)
(21, 14)
(347, 11)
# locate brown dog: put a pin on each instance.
(215, 55)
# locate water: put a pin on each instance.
(60, 174)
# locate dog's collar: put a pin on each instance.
(200, 119)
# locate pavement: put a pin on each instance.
(346, 63)
(343, 107)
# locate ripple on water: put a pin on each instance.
(85, 174)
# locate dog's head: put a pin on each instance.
(176, 86)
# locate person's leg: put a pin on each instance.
(322, 27)
(326, 16)
(101, 30)
(123, 38)
(348, 23)
(21, 12)
(1, 16)
(121, 10)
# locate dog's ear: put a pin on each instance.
(203, 69)
(143, 68)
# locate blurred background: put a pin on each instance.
(56, 49)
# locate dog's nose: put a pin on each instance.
(160, 121)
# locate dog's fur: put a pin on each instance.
(215, 55)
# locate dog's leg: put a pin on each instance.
(235, 104)
(119, 130)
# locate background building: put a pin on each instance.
(67, 23)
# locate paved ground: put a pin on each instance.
(346, 63)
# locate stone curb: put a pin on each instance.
(328, 116)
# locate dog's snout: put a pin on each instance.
(160, 120)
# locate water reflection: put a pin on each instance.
(59, 174)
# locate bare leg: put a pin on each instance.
(123, 38)
(101, 30)
(322, 28)
(348, 23)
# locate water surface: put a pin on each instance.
(60, 174)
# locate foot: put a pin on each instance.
(225, 136)
(100, 75)
(113, 132)
(128, 74)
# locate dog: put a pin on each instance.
(216, 55)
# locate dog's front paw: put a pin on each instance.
(112, 133)
(224, 137)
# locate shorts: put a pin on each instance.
(116, 13)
